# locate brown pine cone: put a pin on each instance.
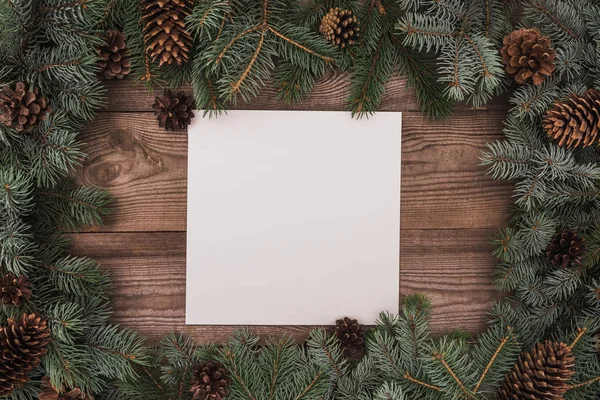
(566, 249)
(173, 112)
(210, 381)
(48, 392)
(540, 374)
(23, 343)
(114, 56)
(575, 121)
(340, 27)
(22, 109)
(528, 56)
(14, 290)
(164, 30)
(351, 336)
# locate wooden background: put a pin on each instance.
(450, 209)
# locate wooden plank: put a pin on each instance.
(330, 93)
(453, 267)
(442, 184)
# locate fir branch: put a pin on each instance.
(409, 378)
(492, 360)
(440, 357)
(586, 383)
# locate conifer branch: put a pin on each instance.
(409, 378)
(236, 373)
(586, 383)
(232, 42)
(148, 76)
(236, 86)
(492, 360)
(64, 6)
(556, 20)
(306, 49)
(440, 358)
(332, 361)
(58, 65)
(63, 271)
(488, 18)
(156, 383)
(309, 386)
(361, 98)
(275, 371)
(69, 199)
(126, 356)
(483, 63)
(182, 382)
(580, 333)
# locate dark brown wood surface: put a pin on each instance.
(450, 209)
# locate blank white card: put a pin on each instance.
(293, 218)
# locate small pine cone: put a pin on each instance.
(14, 290)
(566, 249)
(173, 112)
(540, 374)
(210, 381)
(21, 108)
(340, 27)
(49, 392)
(114, 56)
(527, 56)
(351, 335)
(23, 343)
(575, 121)
(164, 30)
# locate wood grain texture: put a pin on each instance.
(443, 185)
(330, 94)
(450, 208)
(148, 271)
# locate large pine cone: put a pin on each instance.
(540, 374)
(575, 121)
(164, 30)
(14, 290)
(23, 343)
(22, 109)
(173, 112)
(340, 27)
(528, 56)
(351, 335)
(566, 249)
(48, 392)
(210, 381)
(114, 56)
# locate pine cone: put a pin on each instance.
(173, 112)
(22, 109)
(351, 335)
(23, 343)
(527, 55)
(210, 381)
(575, 121)
(114, 56)
(340, 27)
(565, 249)
(50, 393)
(540, 374)
(14, 290)
(164, 30)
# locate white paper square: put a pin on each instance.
(293, 218)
